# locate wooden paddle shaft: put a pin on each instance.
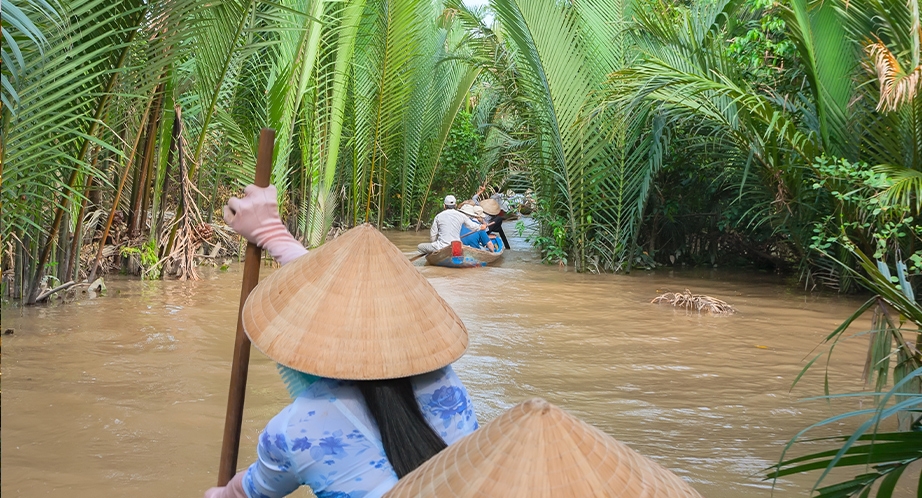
(238, 383)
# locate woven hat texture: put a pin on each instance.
(355, 309)
(490, 207)
(469, 210)
(537, 450)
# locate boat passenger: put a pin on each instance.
(369, 405)
(446, 228)
(497, 241)
(478, 239)
(495, 208)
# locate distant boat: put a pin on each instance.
(464, 256)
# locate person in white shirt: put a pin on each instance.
(446, 228)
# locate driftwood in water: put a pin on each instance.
(697, 302)
(45, 295)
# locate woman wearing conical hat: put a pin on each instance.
(478, 239)
(495, 208)
(364, 344)
(536, 450)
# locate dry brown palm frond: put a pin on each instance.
(226, 237)
(192, 231)
(336, 231)
(696, 302)
(897, 87)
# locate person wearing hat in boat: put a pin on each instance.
(495, 208)
(482, 215)
(446, 227)
(364, 345)
(478, 239)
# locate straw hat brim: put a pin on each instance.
(537, 450)
(490, 207)
(354, 309)
(468, 210)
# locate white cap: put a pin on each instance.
(450, 200)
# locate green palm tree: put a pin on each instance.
(890, 110)
(99, 66)
(593, 174)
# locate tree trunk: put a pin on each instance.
(19, 265)
(136, 188)
(143, 197)
(73, 266)
(118, 195)
(62, 252)
(174, 139)
(59, 213)
(174, 146)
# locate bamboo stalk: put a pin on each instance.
(237, 391)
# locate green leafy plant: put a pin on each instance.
(552, 239)
(588, 162)
(148, 255)
(861, 211)
(888, 454)
(896, 339)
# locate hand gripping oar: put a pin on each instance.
(238, 381)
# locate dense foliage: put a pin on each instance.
(649, 132)
(783, 135)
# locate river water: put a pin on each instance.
(124, 395)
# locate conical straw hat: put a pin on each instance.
(537, 450)
(354, 309)
(490, 207)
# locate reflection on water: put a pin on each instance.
(125, 395)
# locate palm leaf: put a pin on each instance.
(888, 453)
(17, 24)
(906, 189)
(90, 64)
(831, 58)
(320, 205)
(593, 171)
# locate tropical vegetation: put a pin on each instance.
(649, 132)
(784, 135)
(882, 456)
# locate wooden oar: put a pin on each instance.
(238, 383)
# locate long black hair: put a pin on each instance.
(407, 438)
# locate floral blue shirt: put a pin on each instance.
(326, 439)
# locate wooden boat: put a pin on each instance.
(464, 256)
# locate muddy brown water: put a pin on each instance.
(124, 395)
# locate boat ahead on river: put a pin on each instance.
(458, 255)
